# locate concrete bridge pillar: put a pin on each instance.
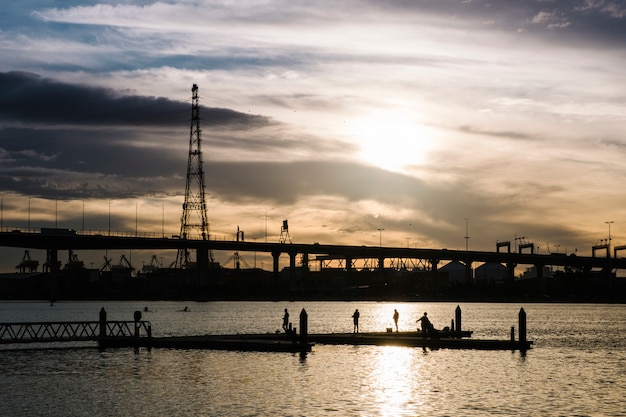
(541, 280)
(433, 267)
(202, 264)
(511, 266)
(53, 264)
(305, 261)
(275, 257)
(469, 279)
(292, 269)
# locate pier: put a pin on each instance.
(138, 333)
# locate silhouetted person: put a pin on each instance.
(355, 319)
(286, 321)
(426, 324)
(396, 316)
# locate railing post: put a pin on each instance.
(103, 322)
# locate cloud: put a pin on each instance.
(29, 98)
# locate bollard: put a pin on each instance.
(304, 326)
(452, 325)
(137, 317)
(457, 316)
(512, 333)
(103, 322)
(522, 325)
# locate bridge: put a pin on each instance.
(53, 240)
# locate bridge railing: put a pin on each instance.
(45, 332)
(110, 233)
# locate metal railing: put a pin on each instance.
(46, 332)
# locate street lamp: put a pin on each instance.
(380, 237)
(609, 223)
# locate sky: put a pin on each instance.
(423, 123)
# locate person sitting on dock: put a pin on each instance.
(286, 321)
(355, 319)
(396, 316)
(427, 327)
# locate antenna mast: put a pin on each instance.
(193, 223)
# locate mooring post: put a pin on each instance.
(522, 325)
(452, 325)
(137, 317)
(304, 326)
(103, 322)
(457, 316)
(512, 333)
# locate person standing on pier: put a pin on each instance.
(286, 321)
(396, 316)
(355, 319)
(426, 324)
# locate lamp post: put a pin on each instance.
(380, 237)
(609, 223)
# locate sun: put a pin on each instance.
(392, 141)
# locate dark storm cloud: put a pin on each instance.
(29, 98)
(66, 141)
(286, 183)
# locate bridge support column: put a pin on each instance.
(202, 264)
(469, 279)
(293, 279)
(433, 268)
(305, 261)
(52, 261)
(275, 258)
(541, 280)
(511, 266)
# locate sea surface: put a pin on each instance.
(577, 366)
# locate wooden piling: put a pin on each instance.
(522, 325)
(304, 326)
(137, 317)
(103, 322)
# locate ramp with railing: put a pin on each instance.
(77, 331)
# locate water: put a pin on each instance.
(576, 367)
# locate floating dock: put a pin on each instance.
(303, 342)
(244, 343)
(282, 343)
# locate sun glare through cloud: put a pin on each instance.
(393, 141)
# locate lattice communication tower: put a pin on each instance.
(193, 223)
